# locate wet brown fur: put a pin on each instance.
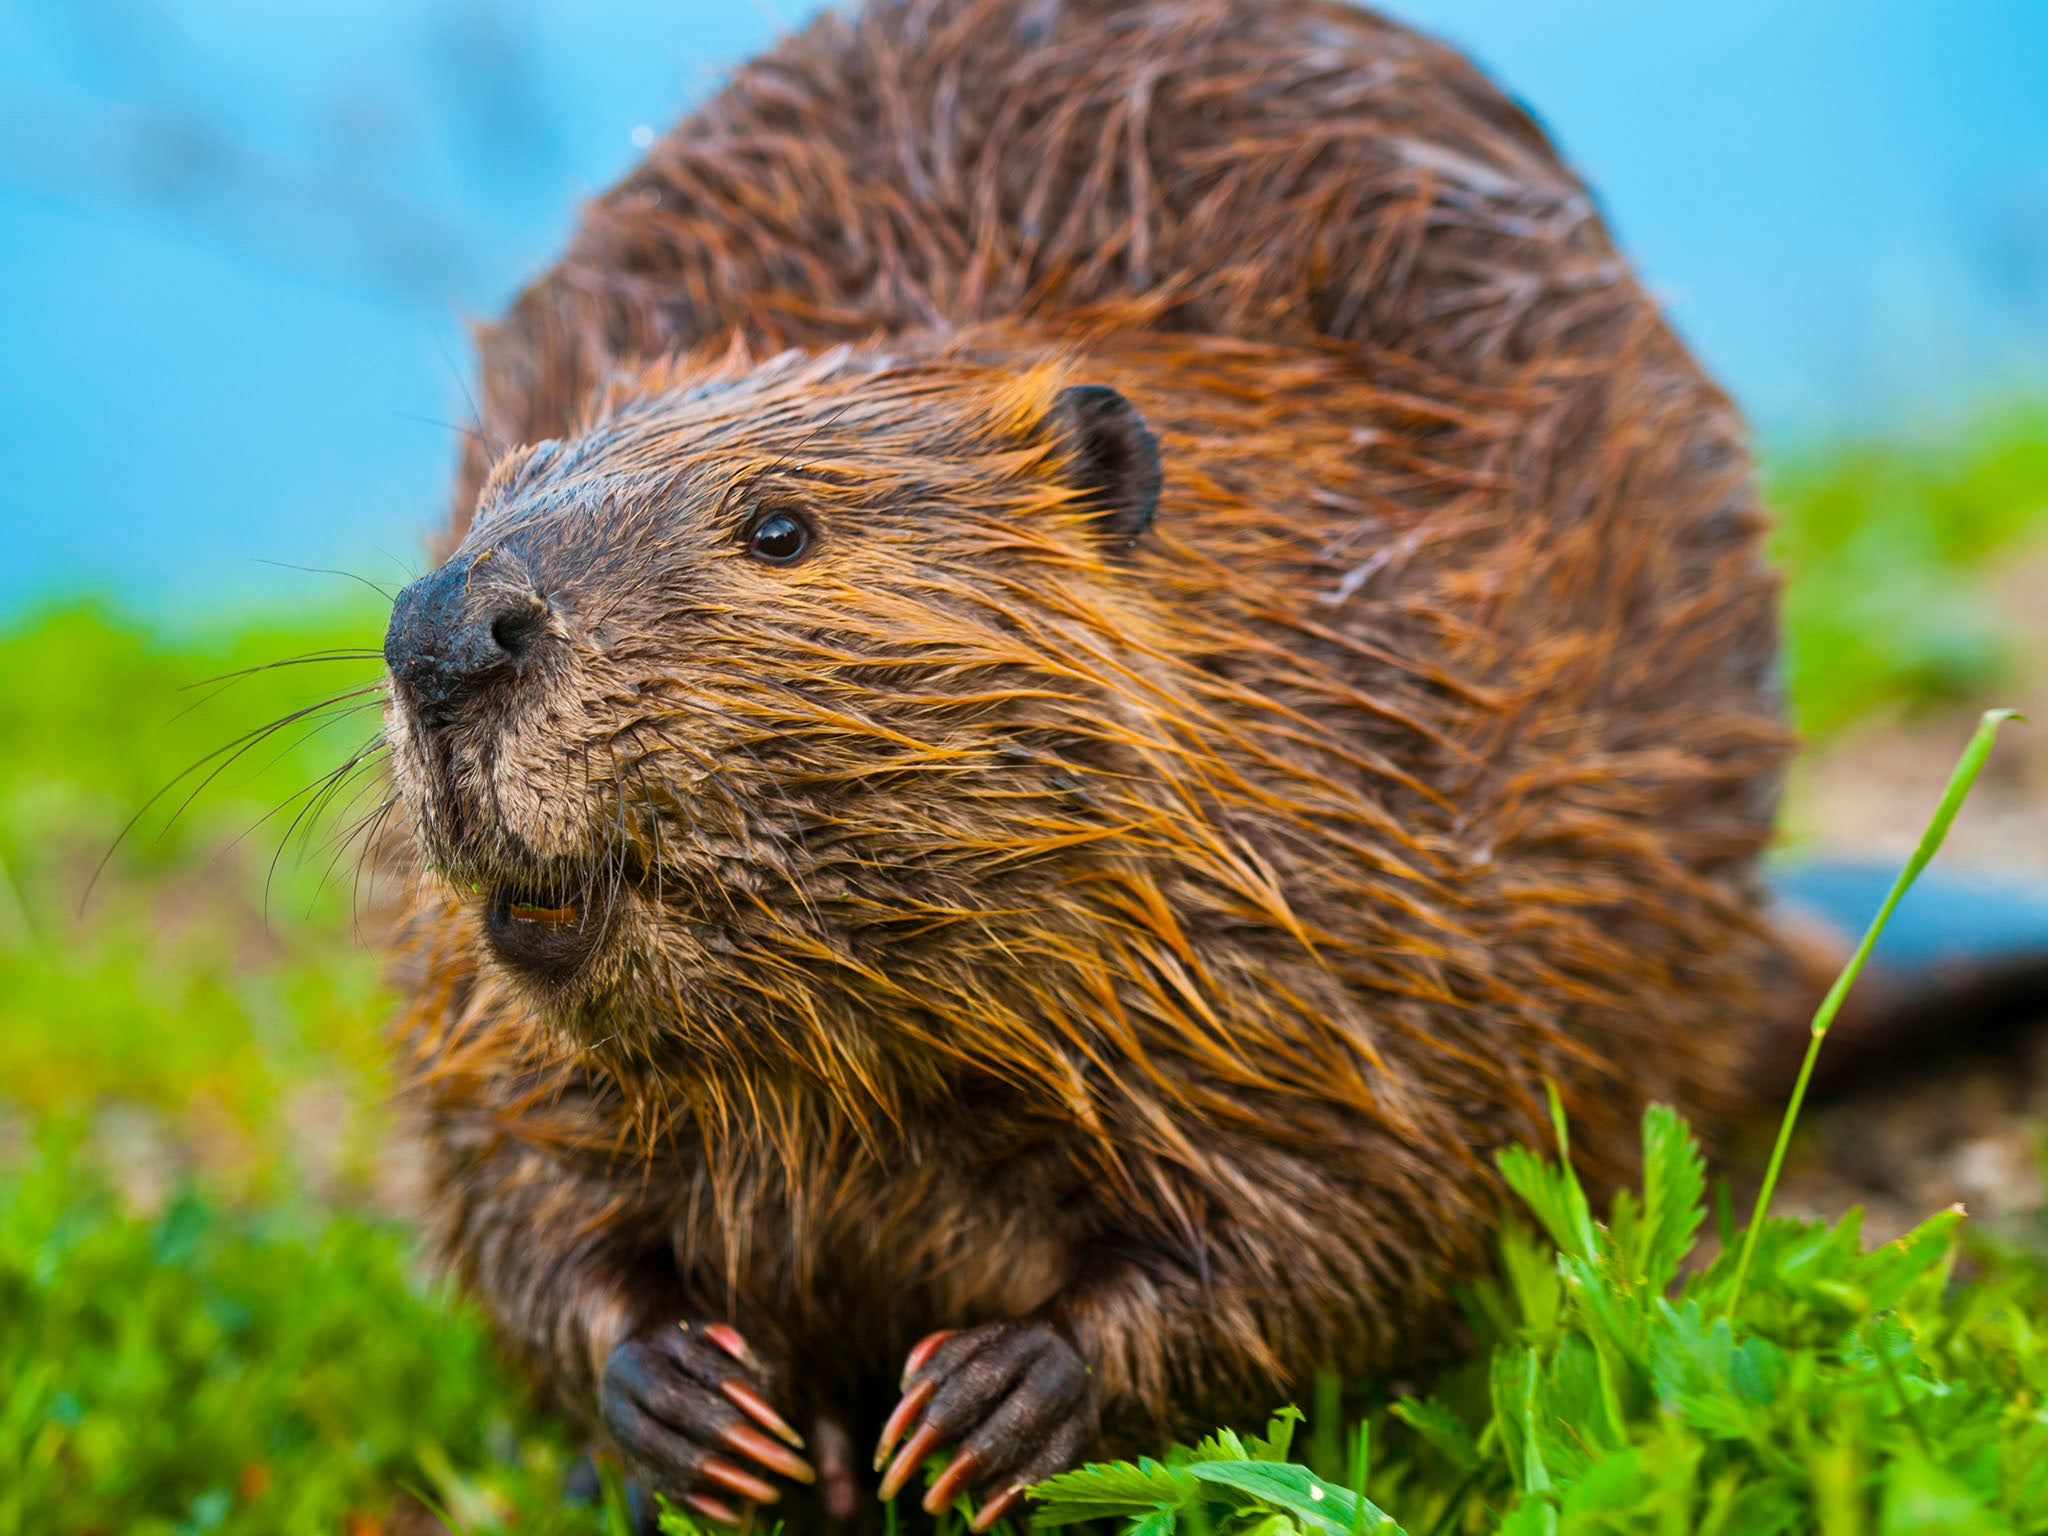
(1010, 921)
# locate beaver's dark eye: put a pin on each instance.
(779, 538)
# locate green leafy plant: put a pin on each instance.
(1228, 1484)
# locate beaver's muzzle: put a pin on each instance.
(462, 629)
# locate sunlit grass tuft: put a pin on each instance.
(1889, 542)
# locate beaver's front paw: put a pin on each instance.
(678, 1399)
(1017, 1401)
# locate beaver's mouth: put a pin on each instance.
(547, 932)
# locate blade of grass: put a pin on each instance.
(1326, 1428)
(1966, 770)
(1361, 1464)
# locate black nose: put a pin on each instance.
(460, 627)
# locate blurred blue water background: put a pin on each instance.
(239, 239)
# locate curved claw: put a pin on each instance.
(755, 1407)
(996, 1507)
(1015, 1401)
(728, 1339)
(906, 1413)
(957, 1479)
(739, 1480)
(711, 1509)
(749, 1441)
(920, 1352)
(916, 1450)
(687, 1407)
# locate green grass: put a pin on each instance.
(207, 1324)
(209, 1367)
(192, 980)
(1889, 542)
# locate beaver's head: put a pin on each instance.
(792, 668)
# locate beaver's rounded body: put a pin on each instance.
(1083, 803)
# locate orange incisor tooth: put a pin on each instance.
(526, 912)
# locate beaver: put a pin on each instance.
(1081, 644)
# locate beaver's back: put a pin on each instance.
(1268, 169)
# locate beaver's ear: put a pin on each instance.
(1111, 455)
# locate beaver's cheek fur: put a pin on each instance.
(492, 800)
